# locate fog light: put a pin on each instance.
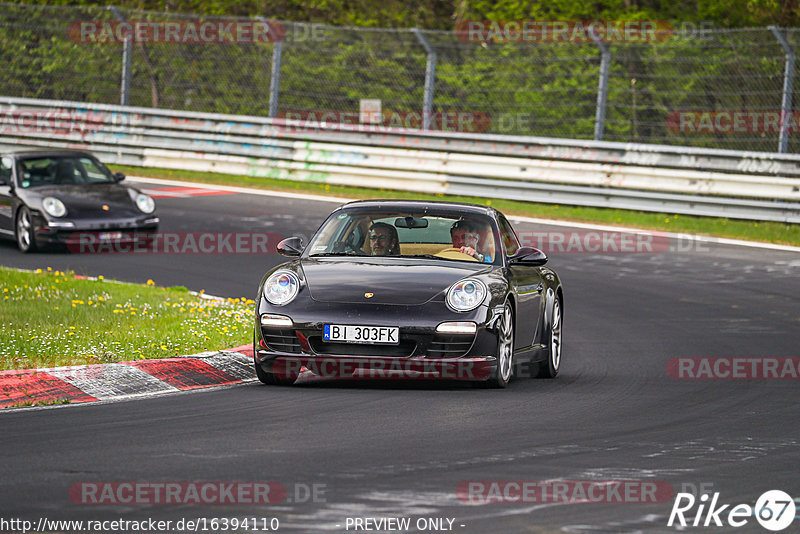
(457, 327)
(275, 320)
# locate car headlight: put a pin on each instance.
(54, 207)
(281, 287)
(145, 203)
(466, 294)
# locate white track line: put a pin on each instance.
(244, 190)
(551, 222)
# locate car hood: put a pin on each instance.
(88, 200)
(390, 280)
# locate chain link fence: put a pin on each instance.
(711, 88)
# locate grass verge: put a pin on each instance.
(34, 402)
(51, 319)
(770, 232)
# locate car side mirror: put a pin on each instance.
(118, 176)
(528, 256)
(291, 246)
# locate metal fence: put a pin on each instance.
(738, 81)
(694, 181)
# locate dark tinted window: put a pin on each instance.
(5, 168)
(509, 237)
(65, 170)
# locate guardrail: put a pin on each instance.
(694, 181)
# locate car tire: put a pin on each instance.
(505, 349)
(550, 367)
(271, 379)
(23, 231)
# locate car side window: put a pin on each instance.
(93, 172)
(5, 169)
(510, 241)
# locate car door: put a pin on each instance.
(6, 198)
(526, 281)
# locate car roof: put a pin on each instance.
(41, 152)
(419, 205)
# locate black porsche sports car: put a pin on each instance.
(393, 288)
(50, 196)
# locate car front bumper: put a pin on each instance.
(422, 352)
(85, 235)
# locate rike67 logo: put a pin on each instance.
(774, 510)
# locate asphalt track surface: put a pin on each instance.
(401, 449)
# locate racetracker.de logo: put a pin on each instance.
(150, 493)
(596, 241)
(734, 368)
(56, 122)
(563, 491)
(459, 121)
(732, 122)
(177, 31)
(173, 243)
(391, 369)
(564, 31)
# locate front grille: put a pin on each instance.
(281, 340)
(450, 345)
(404, 348)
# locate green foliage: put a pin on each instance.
(543, 89)
(442, 14)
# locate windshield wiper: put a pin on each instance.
(324, 254)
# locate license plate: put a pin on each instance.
(109, 235)
(378, 335)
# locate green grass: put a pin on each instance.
(770, 232)
(51, 319)
(34, 402)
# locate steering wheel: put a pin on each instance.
(453, 253)
(347, 248)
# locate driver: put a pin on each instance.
(383, 239)
(465, 235)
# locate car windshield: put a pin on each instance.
(62, 170)
(445, 235)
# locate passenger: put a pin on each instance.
(465, 235)
(383, 239)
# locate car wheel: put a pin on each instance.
(271, 379)
(549, 368)
(505, 349)
(26, 240)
